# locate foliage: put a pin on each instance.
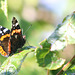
(12, 64)
(47, 54)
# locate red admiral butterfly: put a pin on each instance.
(11, 40)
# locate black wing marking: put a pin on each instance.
(3, 31)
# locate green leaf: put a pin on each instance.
(45, 44)
(48, 59)
(64, 34)
(13, 63)
(3, 6)
(47, 55)
(3, 18)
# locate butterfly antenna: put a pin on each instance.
(28, 29)
(22, 30)
(27, 42)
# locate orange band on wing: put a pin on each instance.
(2, 51)
(4, 36)
(16, 31)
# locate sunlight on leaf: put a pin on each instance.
(64, 34)
(3, 6)
(13, 63)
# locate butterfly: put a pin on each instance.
(11, 40)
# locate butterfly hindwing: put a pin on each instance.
(4, 41)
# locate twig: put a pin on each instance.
(67, 65)
(48, 72)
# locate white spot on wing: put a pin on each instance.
(13, 25)
(5, 30)
(0, 26)
(16, 23)
(0, 31)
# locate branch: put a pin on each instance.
(67, 65)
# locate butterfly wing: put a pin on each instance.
(16, 39)
(4, 41)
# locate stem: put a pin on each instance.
(48, 72)
(67, 65)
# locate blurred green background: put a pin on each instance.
(44, 15)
